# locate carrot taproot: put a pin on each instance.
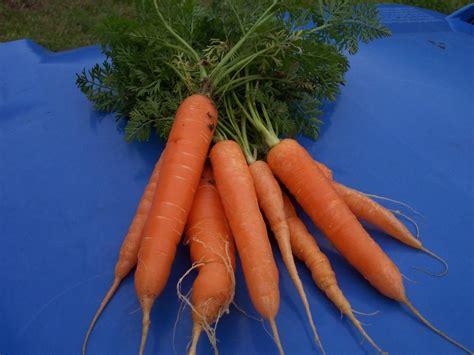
(236, 188)
(293, 165)
(183, 161)
(306, 249)
(383, 219)
(270, 200)
(212, 252)
(368, 210)
(129, 250)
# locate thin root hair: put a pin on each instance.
(411, 220)
(383, 198)
(437, 257)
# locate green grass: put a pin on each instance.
(444, 6)
(57, 24)
(64, 24)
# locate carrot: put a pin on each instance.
(306, 249)
(270, 199)
(375, 214)
(212, 252)
(129, 249)
(293, 165)
(181, 169)
(236, 188)
(366, 209)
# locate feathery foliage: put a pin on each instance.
(293, 51)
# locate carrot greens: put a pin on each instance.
(295, 49)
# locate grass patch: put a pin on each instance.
(57, 24)
(64, 24)
(443, 6)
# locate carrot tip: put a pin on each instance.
(359, 327)
(276, 336)
(146, 304)
(433, 328)
(197, 329)
(99, 311)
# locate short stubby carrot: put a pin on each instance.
(270, 200)
(183, 161)
(306, 249)
(212, 252)
(293, 165)
(236, 188)
(129, 250)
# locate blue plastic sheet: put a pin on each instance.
(402, 127)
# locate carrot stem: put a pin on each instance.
(101, 308)
(276, 336)
(433, 328)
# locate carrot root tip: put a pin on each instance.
(359, 327)
(276, 337)
(99, 311)
(146, 304)
(433, 328)
(197, 329)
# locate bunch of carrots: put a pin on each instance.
(240, 76)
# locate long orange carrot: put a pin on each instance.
(183, 161)
(375, 214)
(306, 249)
(212, 252)
(270, 199)
(236, 188)
(368, 210)
(293, 165)
(129, 249)
(295, 168)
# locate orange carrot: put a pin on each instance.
(293, 165)
(366, 209)
(129, 250)
(306, 249)
(295, 168)
(236, 188)
(375, 214)
(270, 199)
(212, 252)
(183, 161)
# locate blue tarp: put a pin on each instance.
(403, 126)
